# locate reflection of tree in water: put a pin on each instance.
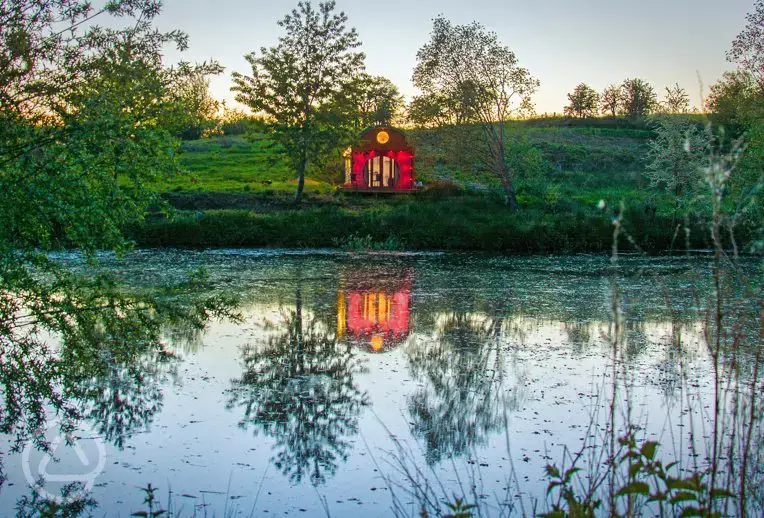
(298, 388)
(92, 349)
(579, 335)
(462, 399)
(122, 395)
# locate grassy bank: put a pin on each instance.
(239, 193)
(452, 223)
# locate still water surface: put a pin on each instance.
(472, 364)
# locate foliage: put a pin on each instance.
(469, 68)
(610, 100)
(153, 508)
(676, 157)
(467, 222)
(368, 101)
(637, 98)
(649, 486)
(676, 101)
(197, 105)
(434, 110)
(584, 102)
(295, 82)
(88, 116)
(71, 503)
(233, 121)
(87, 119)
(748, 48)
(735, 101)
(366, 243)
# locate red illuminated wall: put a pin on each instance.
(394, 146)
(405, 160)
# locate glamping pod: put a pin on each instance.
(383, 162)
(374, 314)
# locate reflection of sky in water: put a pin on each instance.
(338, 352)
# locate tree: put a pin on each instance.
(369, 101)
(677, 100)
(295, 82)
(437, 109)
(610, 100)
(199, 109)
(86, 121)
(482, 83)
(748, 48)
(584, 102)
(676, 157)
(638, 98)
(735, 101)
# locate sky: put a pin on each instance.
(562, 42)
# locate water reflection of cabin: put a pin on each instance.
(383, 162)
(374, 313)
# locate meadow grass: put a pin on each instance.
(238, 193)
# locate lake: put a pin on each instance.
(351, 379)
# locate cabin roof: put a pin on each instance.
(383, 138)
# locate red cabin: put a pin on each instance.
(384, 162)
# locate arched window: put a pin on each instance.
(380, 171)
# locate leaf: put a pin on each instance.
(648, 449)
(691, 511)
(683, 496)
(571, 472)
(634, 488)
(552, 471)
(678, 483)
(140, 513)
(634, 469)
(719, 492)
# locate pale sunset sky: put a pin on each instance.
(562, 42)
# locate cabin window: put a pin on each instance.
(381, 171)
(348, 155)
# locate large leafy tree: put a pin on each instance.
(368, 101)
(199, 107)
(735, 101)
(296, 82)
(638, 98)
(584, 102)
(748, 48)
(87, 118)
(481, 80)
(610, 99)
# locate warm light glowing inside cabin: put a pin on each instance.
(377, 317)
(377, 342)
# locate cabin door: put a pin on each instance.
(381, 172)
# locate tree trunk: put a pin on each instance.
(505, 175)
(510, 198)
(301, 166)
